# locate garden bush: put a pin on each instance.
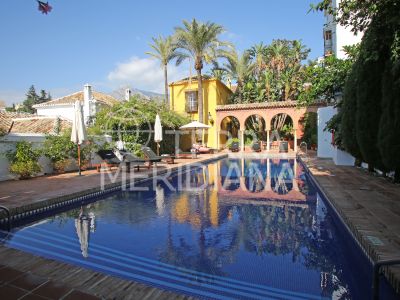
(24, 160)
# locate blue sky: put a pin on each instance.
(104, 42)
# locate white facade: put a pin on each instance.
(64, 111)
(336, 36)
(325, 147)
(128, 94)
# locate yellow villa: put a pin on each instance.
(184, 100)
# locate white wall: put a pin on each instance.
(65, 111)
(341, 36)
(325, 147)
(344, 37)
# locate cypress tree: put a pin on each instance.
(42, 98)
(348, 128)
(371, 64)
(389, 138)
(31, 99)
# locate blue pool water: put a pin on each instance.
(249, 229)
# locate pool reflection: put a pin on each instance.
(253, 220)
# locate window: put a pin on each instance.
(328, 35)
(191, 101)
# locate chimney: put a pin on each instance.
(87, 97)
(128, 94)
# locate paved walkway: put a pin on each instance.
(368, 204)
(26, 276)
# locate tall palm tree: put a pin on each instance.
(200, 42)
(164, 51)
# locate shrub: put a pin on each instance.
(231, 141)
(24, 160)
(388, 142)
(348, 129)
(310, 129)
(131, 120)
(59, 149)
(370, 67)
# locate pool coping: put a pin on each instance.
(47, 205)
(370, 252)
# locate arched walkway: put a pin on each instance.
(229, 129)
(309, 127)
(281, 129)
(254, 127)
(267, 111)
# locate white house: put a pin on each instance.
(63, 107)
(336, 36)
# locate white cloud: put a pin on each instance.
(144, 74)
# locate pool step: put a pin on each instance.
(107, 260)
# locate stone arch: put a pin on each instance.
(229, 127)
(280, 122)
(307, 129)
(254, 127)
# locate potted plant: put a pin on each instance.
(24, 160)
(233, 144)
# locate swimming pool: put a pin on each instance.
(235, 228)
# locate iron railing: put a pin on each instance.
(375, 279)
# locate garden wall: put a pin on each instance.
(9, 141)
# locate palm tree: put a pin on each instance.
(218, 73)
(164, 51)
(277, 53)
(200, 42)
(238, 66)
(257, 53)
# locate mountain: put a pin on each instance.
(120, 94)
(146, 93)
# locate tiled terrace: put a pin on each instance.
(369, 205)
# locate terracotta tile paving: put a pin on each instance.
(368, 204)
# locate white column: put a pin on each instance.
(268, 146)
(218, 140)
(295, 140)
(242, 140)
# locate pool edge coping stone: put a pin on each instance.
(364, 244)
